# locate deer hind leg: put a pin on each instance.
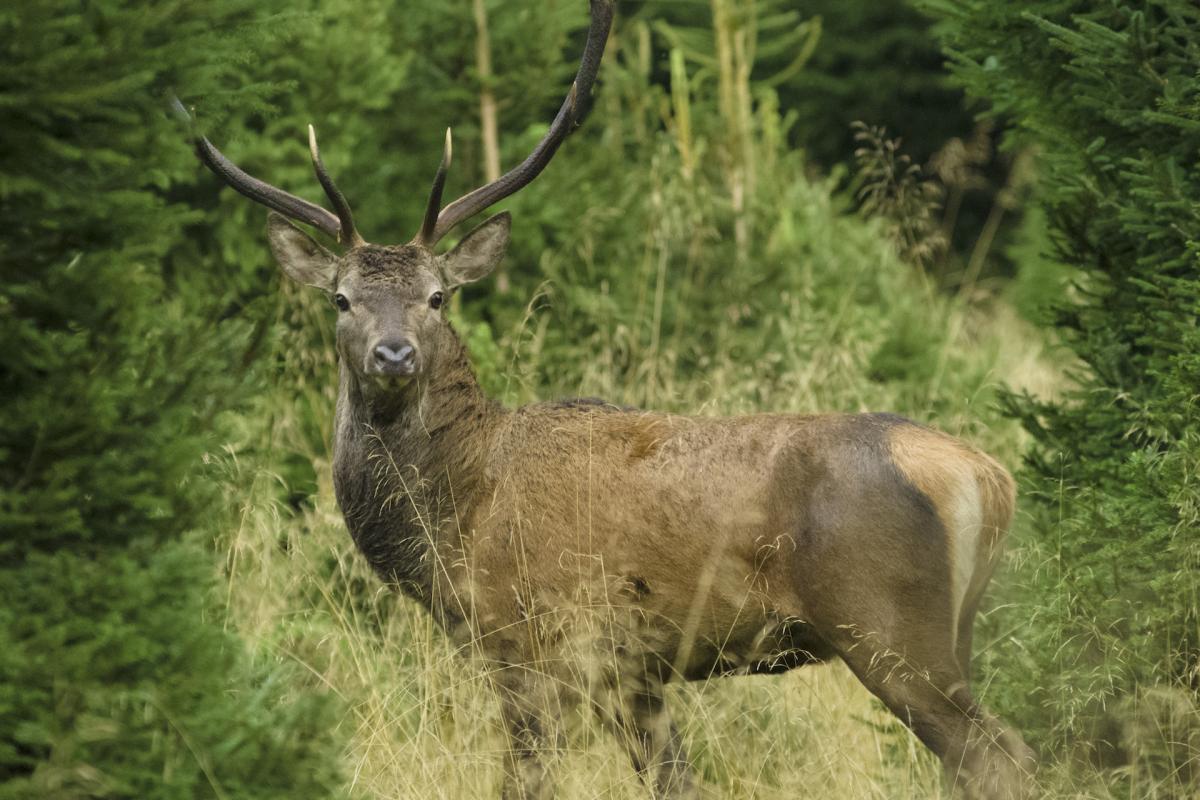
(982, 759)
(965, 625)
(637, 712)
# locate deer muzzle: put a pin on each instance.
(397, 357)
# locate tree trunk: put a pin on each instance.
(488, 127)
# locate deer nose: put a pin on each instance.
(396, 358)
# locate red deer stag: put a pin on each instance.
(722, 545)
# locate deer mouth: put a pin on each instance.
(389, 378)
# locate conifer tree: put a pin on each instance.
(123, 343)
(1109, 94)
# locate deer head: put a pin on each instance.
(390, 299)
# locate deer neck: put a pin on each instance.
(408, 461)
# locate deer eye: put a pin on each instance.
(341, 302)
(436, 300)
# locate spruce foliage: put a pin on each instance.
(103, 357)
(113, 683)
(123, 345)
(1109, 93)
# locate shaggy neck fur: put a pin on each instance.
(408, 461)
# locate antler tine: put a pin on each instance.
(287, 204)
(425, 237)
(349, 233)
(564, 123)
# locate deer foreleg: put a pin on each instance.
(641, 718)
(523, 709)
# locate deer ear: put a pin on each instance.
(478, 253)
(299, 256)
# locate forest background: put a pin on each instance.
(985, 216)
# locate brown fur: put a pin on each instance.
(652, 547)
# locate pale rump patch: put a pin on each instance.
(963, 531)
(972, 495)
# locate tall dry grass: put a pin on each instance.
(422, 720)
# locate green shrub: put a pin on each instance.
(124, 344)
(114, 682)
(710, 264)
(1109, 93)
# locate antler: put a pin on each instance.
(438, 221)
(348, 232)
(339, 226)
(429, 224)
(520, 176)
